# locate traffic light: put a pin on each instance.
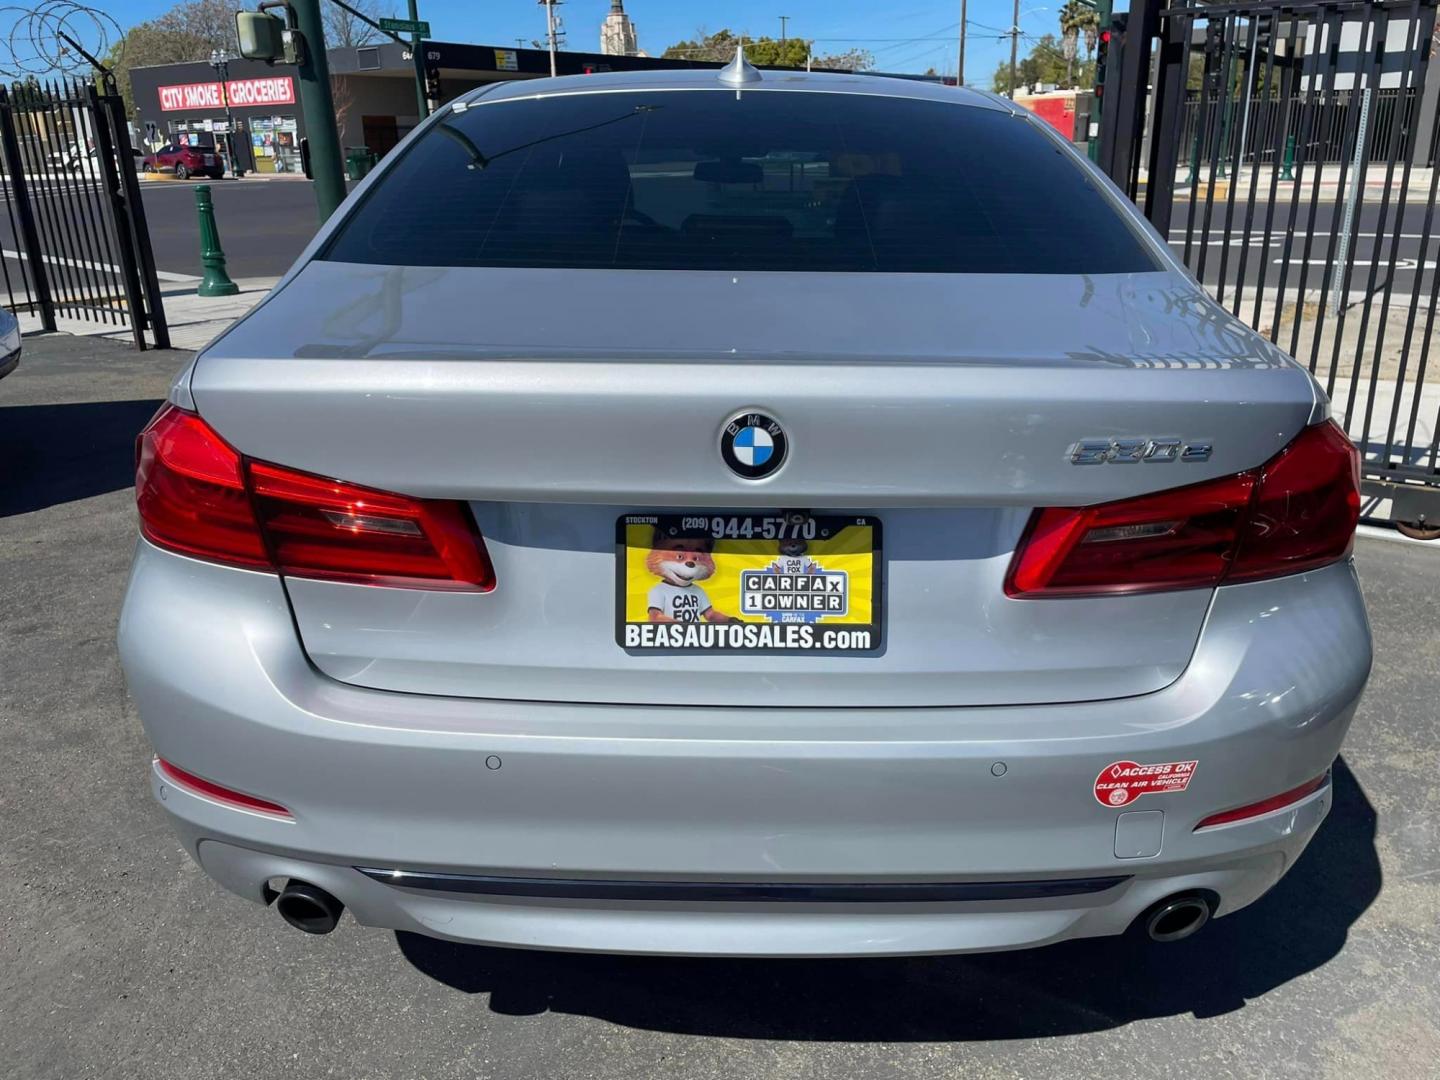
(1102, 54)
(1118, 23)
(432, 82)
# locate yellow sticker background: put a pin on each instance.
(851, 550)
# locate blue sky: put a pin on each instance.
(904, 35)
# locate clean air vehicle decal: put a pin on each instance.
(1123, 782)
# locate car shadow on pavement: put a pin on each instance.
(52, 454)
(1069, 988)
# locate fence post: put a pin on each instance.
(1129, 77)
(25, 211)
(1357, 188)
(1168, 112)
(115, 210)
(114, 110)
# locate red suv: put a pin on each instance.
(185, 161)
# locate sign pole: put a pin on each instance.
(418, 30)
(417, 50)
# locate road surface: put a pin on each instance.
(265, 224)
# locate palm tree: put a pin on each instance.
(1073, 18)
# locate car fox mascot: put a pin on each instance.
(681, 563)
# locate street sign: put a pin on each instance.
(406, 26)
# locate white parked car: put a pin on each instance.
(9, 343)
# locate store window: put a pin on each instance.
(275, 145)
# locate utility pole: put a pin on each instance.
(783, 20)
(1104, 12)
(960, 68)
(550, 31)
(319, 106)
(1014, 47)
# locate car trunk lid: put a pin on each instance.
(945, 406)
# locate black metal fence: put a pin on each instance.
(74, 244)
(1257, 120)
(1297, 185)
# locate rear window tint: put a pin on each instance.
(712, 180)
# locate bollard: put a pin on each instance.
(215, 282)
(1287, 170)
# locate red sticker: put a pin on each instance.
(1125, 781)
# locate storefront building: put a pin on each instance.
(373, 87)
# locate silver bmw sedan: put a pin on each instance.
(745, 513)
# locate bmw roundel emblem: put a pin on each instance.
(753, 445)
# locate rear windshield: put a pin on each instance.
(712, 180)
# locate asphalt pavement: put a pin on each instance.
(265, 224)
(119, 958)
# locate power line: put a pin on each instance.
(915, 57)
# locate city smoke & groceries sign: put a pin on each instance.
(275, 90)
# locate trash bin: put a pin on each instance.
(359, 160)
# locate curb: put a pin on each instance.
(1369, 531)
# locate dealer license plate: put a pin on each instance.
(776, 582)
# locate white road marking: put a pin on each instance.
(1277, 237)
(1400, 264)
(106, 268)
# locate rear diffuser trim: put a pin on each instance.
(929, 892)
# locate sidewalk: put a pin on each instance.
(1304, 179)
(194, 320)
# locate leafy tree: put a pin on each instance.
(212, 20)
(188, 31)
(720, 47)
(344, 29)
(849, 60)
(1046, 63)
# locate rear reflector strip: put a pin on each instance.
(897, 892)
(1265, 806)
(196, 785)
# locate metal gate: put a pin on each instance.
(1286, 150)
(74, 245)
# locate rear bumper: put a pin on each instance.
(501, 789)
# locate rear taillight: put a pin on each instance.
(1296, 512)
(197, 495)
(190, 491)
(1305, 509)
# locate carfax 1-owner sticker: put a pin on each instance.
(748, 583)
